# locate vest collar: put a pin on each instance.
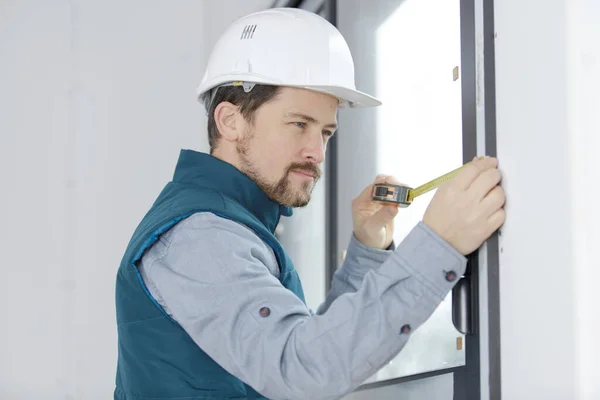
(208, 171)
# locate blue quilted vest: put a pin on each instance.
(157, 360)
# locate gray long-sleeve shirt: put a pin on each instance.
(213, 276)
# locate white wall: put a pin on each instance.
(96, 99)
(548, 85)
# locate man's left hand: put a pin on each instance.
(373, 220)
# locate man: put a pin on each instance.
(209, 305)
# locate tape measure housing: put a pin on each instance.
(389, 193)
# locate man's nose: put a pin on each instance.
(315, 149)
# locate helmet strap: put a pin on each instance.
(208, 100)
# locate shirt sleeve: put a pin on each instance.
(358, 261)
(215, 277)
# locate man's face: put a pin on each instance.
(285, 146)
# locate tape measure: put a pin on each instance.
(403, 196)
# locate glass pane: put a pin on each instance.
(420, 138)
(412, 50)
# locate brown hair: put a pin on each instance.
(248, 102)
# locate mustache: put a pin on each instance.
(309, 168)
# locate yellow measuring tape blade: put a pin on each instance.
(434, 184)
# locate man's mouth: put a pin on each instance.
(305, 173)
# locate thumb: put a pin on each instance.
(381, 218)
(365, 195)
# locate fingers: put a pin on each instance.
(393, 181)
(485, 182)
(472, 170)
(495, 221)
(494, 201)
(365, 195)
(380, 178)
(383, 216)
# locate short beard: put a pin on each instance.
(281, 191)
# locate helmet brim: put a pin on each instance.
(349, 98)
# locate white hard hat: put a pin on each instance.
(284, 47)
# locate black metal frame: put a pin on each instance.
(467, 379)
(493, 248)
(331, 198)
(286, 3)
(298, 4)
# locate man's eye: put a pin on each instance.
(300, 124)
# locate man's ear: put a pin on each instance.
(229, 121)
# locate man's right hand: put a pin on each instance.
(468, 209)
